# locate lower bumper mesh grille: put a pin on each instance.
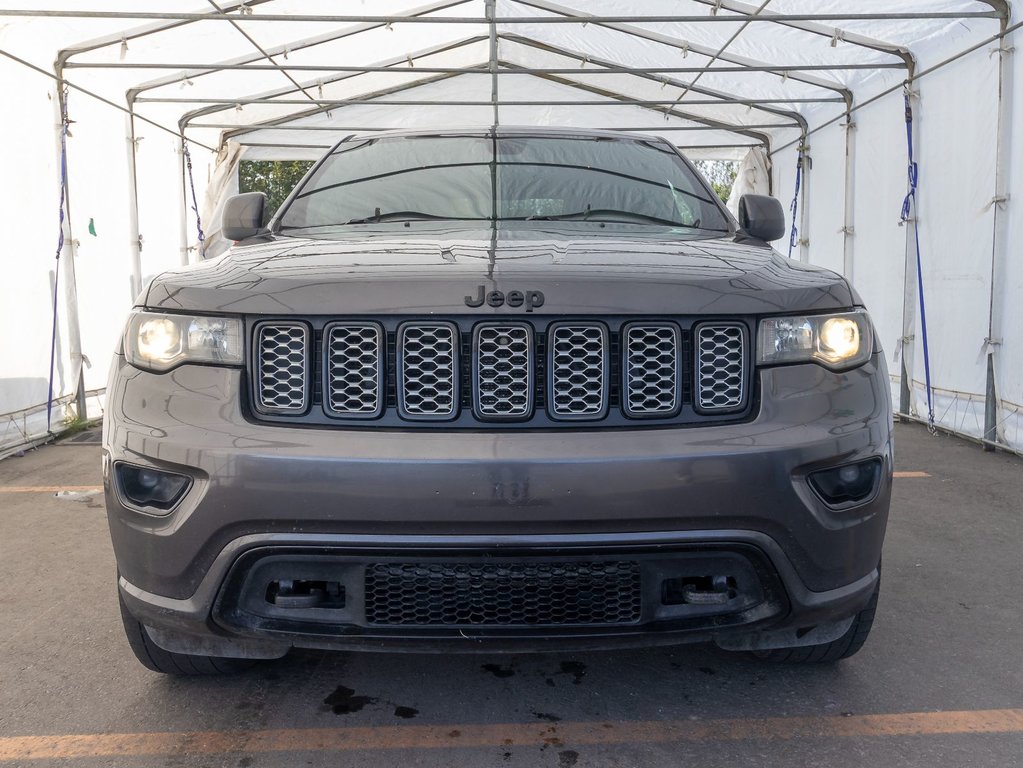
(495, 594)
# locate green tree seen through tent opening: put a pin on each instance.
(720, 174)
(275, 178)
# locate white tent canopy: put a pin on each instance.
(814, 89)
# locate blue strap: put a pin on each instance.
(195, 202)
(60, 247)
(908, 208)
(794, 207)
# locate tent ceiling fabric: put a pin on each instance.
(816, 85)
(744, 73)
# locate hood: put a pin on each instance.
(579, 268)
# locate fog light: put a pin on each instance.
(849, 483)
(148, 487)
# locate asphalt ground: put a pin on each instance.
(939, 682)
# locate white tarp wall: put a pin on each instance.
(718, 89)
(972, 276)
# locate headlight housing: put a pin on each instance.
(158, 342)
(839, 342)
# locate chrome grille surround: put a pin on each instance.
(282, 367)
(651, 370)
(578, 375)
(428, 370)
(353, 369)
(503, 371)
(721, 359)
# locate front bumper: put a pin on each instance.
(739, 487)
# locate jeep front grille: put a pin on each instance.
(428, 370)
(578, 365)
(503, 594)
(536, 372)
(503, 371)
(353, 363)
(720, 366)
(283, 354)
(651, 376)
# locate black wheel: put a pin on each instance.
(157, 659)
(842, 648)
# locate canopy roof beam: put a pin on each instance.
(707, 122)
(234, 130)
(262, 51)
(721, 96)
(455, 70)
(287, 122)
(372, 100)
(223, 104)
(832, 33)
(284, 50)
(724, 46)
(280, 123)
(122, 38)
(685, 47)
(390, 20)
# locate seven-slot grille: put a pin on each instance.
(503, 594)
(283, 353)
(513, 371)
(353, 369)
(720, 366)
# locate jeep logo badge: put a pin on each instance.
(529, 299)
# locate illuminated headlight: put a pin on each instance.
(838, 342)
(159, 342)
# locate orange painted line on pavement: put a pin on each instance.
(50, 488)
(910, 474)
(992, 721)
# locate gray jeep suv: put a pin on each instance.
(507, 390)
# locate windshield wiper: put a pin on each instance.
(592, 213)
(399, 216)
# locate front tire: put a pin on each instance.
(155, 658)
(842, 648)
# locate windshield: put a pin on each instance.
(483, 178)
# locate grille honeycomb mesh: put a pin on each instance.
(504, 380)
(428, 364)
(651, 370)
(720, 367)
(352, 365)
(578, 363)
(495, 594)
(283, 350)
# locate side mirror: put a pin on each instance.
(243, 216)
(761, 217)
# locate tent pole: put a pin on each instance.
(849, 218)
(804, 204)
(183, 200)
(491, 12)
(68, 257)
(999, 241)
(133, 204)
(907, 342)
